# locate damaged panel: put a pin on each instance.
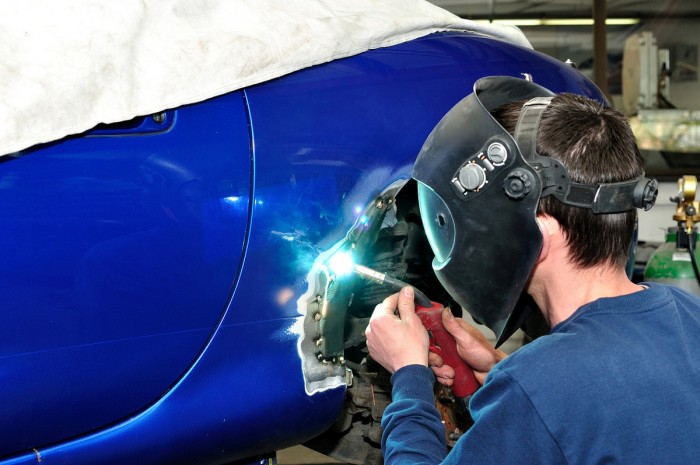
(326, 302)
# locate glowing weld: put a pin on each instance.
(341, 263)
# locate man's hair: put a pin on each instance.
(596, 145)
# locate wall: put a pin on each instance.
(671, 34)
(576, 43)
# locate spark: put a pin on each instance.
(341, 263)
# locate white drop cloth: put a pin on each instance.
(67, 65)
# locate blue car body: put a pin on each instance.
(153, 272)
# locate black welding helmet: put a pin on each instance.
(478, 192)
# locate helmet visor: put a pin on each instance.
(478, 199)
(441, 230)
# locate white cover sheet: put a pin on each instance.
(67, 65)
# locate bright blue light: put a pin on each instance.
(341, 263)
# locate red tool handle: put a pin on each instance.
(443, 344)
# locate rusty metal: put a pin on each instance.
(454, 417)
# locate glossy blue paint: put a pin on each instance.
(330, 138)
(244, 398)
(120, 255)
(150, 295)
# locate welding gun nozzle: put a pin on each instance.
(396, 284)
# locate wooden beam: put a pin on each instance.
(600, 46)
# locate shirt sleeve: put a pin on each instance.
(413, 430)
(507, 428)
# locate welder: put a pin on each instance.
(524, 192)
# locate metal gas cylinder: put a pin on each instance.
(671, 264)
(675, 261)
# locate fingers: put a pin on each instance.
(386, 307)
(406, 305)
(403, 301)
(460, 329)
(472, 345)
(465, 334)
(434, 360)
(396, 342)
(446, 378)
(443, 373)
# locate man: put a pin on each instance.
(550, 211)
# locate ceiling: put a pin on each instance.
(511, 9)
(575, 43)
(666, 19)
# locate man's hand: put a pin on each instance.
(397, 341)
(472, 346)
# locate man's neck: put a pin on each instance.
(569, 287)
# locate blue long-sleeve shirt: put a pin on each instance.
(616, 383)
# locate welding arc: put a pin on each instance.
(392, 283)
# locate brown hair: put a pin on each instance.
(596, 145)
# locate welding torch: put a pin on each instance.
(441, 341)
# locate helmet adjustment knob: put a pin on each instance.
(472, 177)
(497, 153)
(518, 184)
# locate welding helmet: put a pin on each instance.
(478, 193)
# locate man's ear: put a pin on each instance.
(548, 226)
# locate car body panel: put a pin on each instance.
(121, 263)
(227, 381)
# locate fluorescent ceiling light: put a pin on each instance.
(561, 22)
